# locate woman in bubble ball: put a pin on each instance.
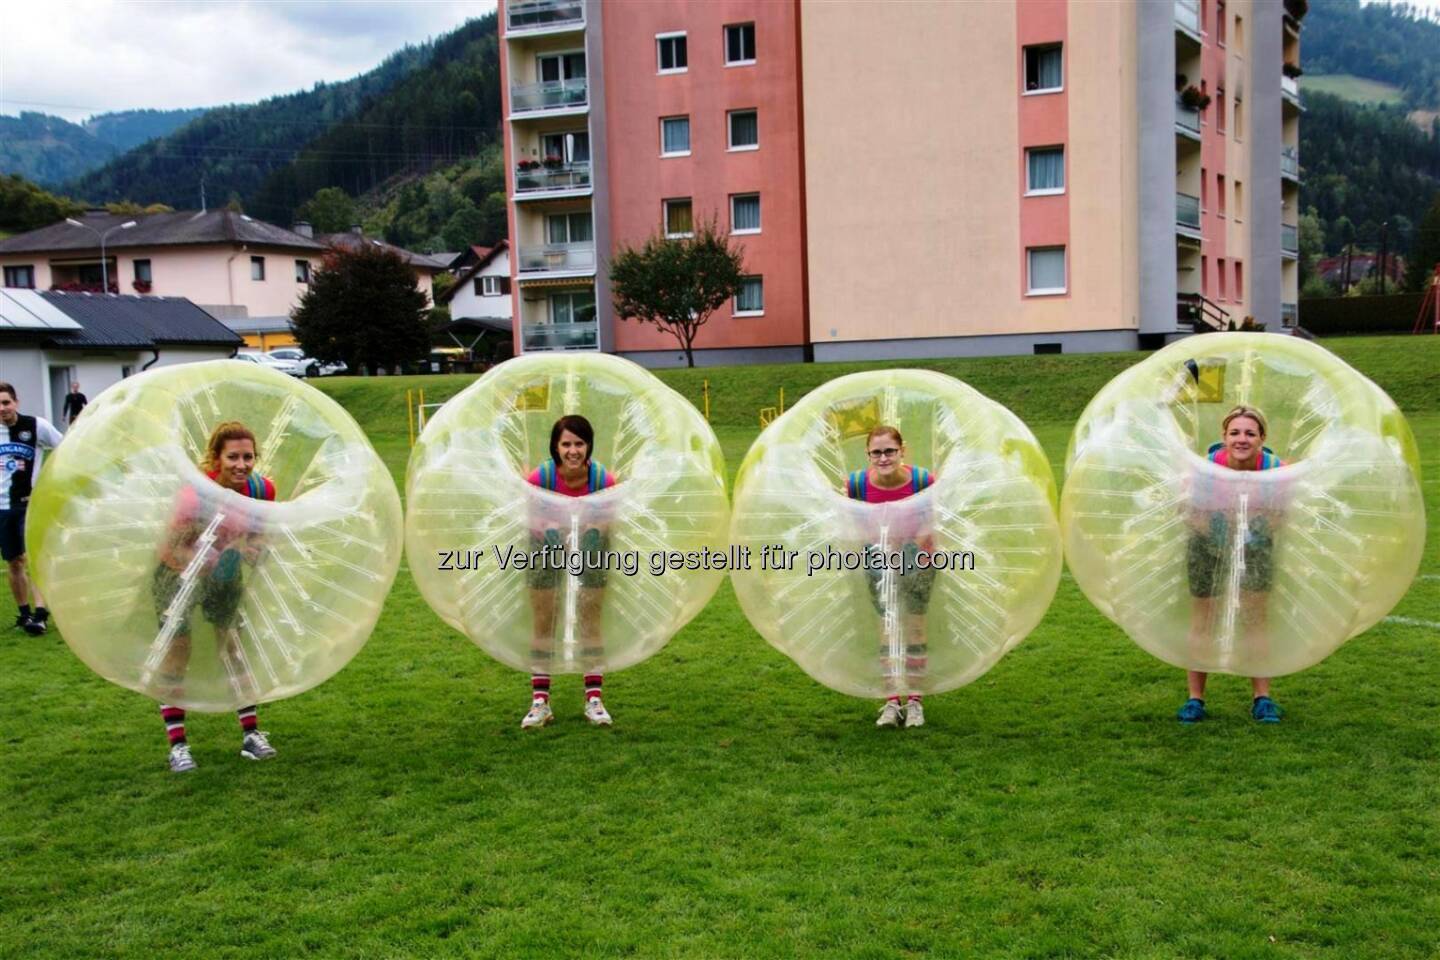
(1241, 447)
(572, 473)
(887, 480)
(230, 462)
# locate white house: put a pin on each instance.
(482, 290)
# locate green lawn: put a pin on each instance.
(737, 809)
(1358, 89)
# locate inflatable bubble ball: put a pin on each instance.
(166, 582)
(920, 594)
(1256, 572)
(555, 583)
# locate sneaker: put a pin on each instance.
(540, 714)
(1266, 710)
(891, 714)
(914, 714)
(22, 622)
(256, 746)
(1193, 711)
(35, 626)
(596, 713)
(180, 759)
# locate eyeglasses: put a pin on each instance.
(887, 454)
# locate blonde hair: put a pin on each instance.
(221, 435)
(1244, 411)
(884, 430)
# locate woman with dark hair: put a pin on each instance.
(230, 456)
(569, 472)
(887, 480)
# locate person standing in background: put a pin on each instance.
(74, 402)
(21, 437)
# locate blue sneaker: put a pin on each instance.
(1192, 712)
(1266, 710)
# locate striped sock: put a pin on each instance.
(592, 686)
(248, 720)
(174, 718)
(540, 686)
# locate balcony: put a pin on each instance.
(554, 96)
(1187, 16)
(1289, 314)
(561, 258)
(1290, 90)
(1290, 163)
(566, 179)
(1187, 119)
(1289, 240)
(548, 16)
(1187, 214)
(560, 336)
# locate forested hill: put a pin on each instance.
(50, 150)
(235, 148)
(127, 129)
(1395, 43)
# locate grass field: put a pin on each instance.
(1052, 809)
(1346, 86)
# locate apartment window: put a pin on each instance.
(1239, 280)
(302, 271)
(739, 44)
(573, 307)
(569, 228)
(675, 137)
(257, 268)
(750, 301)
(1044, 170)
(1220, 109)
(492, 286)
(744, 129)
(1220, 278)
(1220, 23)
(745, 213)
(671, 52)
(555, 67)
(1204, 189)
(1239, 126)
(678, 221)
(572, 147)
(142, 271)
(1239, 34)
(1239, 207)
(22, 277)
(1204, 276)
(1043, 72)
(1220, 194)
(1045, 273)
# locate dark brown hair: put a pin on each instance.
(7, 388)
(577, 425)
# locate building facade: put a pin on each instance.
(971, 178)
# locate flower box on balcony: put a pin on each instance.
(141, 286)
(1291, 70)
(1193, 98)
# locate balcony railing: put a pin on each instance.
(542, 179)
(1187, 211)
(542, 14)
(1187, 14)
(557, 257)
(552, 95)
(1186, 116)
(1290, 88)
(1290, 163)
(561, 336)
(1290, 239)
(1289, 314)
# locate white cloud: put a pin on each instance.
(80, 57)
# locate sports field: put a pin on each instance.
(737, 809)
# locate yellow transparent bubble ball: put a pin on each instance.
(550, 583)
(850, 603)
(269, 598)
(1256, 573)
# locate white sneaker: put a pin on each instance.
(890, 715)
(596, 713)
(914, 714)
(540, 714)
(256, 746)
(180, 759)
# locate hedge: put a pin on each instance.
(1329, 316)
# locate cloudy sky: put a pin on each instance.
(75, 58)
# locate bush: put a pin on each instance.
(1330, 316)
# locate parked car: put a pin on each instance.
(311, 366)
(273, 363)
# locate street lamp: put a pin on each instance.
(104, 264)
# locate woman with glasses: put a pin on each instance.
(886, 480)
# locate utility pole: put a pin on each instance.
(203, 208)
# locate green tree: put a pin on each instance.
(1425, 250)
(363, 307)
(330, 210)
(677, 284)
(1312, 242)
(1315, 287)
(24, 206)
(467, 226)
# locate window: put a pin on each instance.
(670, 50)
(1220, 277)
(745, 213)
(492, 286)
(1044, 170)
(1220, 194)
(568, 147)
(257, 268)
(1043, 69)
(569, 228)
(142, 271)
(1239, 280)
(1239, 35)
(1239, 207)
(556, 67)
(127, 370)
(1220, 22)
(678, 222)
(1046, 270)
(1220, 109)
(744, 129)
(739, 44)
(1204, 190)
(23, 277)
(1204, 276)
(675, 137)
(750, 301)
(1239, 125)
(573, 307)
(302, 271)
